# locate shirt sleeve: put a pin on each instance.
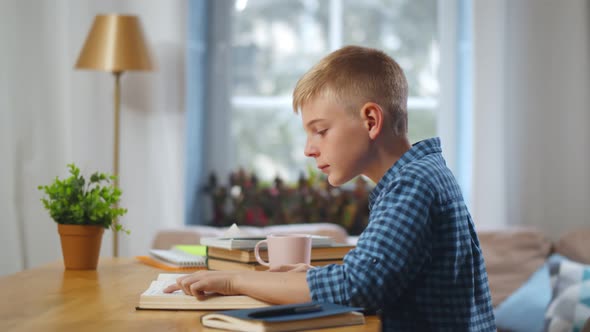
(390, 252)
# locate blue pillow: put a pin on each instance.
(570, 305)
(524, 310)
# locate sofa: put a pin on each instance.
(538, 284)
(527, 272)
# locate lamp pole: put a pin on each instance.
(117, 75)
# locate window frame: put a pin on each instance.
(216, 150)
(414, 103)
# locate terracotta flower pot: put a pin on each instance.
(80, 245)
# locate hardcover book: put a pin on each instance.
(155, 298)
(335, 251)
(293, 317)
(226, 265)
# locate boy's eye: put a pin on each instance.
(321, 132)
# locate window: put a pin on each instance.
(276, 42)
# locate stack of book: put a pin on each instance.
(225, 255)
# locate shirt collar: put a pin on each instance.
(418, 151)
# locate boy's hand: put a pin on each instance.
(200, 282)
(301, 267)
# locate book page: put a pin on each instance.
(157, 288)
(164, 280)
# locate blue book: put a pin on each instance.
(291, 317)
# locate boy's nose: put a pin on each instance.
(310, 150)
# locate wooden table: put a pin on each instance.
(49, 298)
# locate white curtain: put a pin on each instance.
(532, 114)
(52, 115)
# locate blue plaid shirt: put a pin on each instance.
(418, 263)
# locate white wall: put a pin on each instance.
(547, 91)
(532, 118)
(52, 115)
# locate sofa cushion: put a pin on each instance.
(511, 257)
(575, 245)
(524, 310)
(570, 303)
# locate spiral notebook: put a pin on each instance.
(179, 257)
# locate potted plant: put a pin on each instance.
(82, 210)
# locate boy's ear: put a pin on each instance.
(372, 117)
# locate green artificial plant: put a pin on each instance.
(74, 201)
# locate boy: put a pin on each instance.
(418, 262)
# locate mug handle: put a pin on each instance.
(257, 254)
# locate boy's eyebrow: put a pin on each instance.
(313, 121)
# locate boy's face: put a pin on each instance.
(337, 139)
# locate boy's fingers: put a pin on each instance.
(171, 288)
(200, 295)
(301, 267)
(191, 283)
(185, 285)
(198, 291)
(186, 281)
(282, 268)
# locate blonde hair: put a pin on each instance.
(353, 76)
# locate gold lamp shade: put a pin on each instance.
(115, 43)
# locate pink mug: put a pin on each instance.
(285, 249)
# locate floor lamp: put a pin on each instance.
(115, 44)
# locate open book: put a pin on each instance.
(293, 317)
(155, 298)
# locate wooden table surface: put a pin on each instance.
(48, 298)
